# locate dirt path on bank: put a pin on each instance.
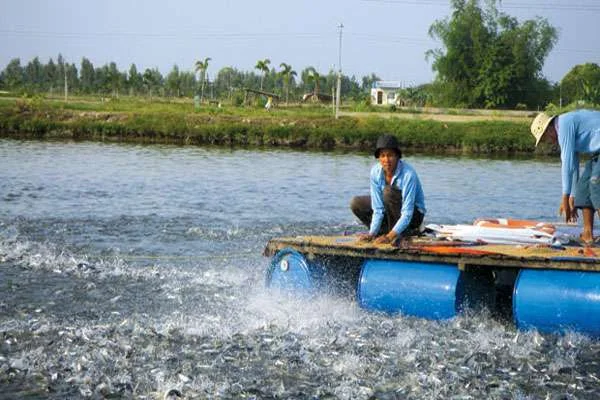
(434, 116)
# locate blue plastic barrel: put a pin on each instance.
(427, 290)
(291, 271)
(553, 301)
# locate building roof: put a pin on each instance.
(387, 85)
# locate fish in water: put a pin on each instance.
(172, 394)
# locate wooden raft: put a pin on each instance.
(427, 250)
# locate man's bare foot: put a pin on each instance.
(587, 240)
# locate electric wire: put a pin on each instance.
(249, 36)
(236, 255)
(225, 35)
(567, 6)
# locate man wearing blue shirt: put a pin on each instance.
(576, 132)
(396, 206)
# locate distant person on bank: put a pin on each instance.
(269, 104)
(396, 206)
(575, 132)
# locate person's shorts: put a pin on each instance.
(587, 192)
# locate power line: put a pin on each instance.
(389, 39)
(420, 41)
(81, 35)
(568, 6)
(557, 7)
(367, 37)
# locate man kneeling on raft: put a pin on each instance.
(575, 132)
(396, 206)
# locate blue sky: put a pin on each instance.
(385, 37)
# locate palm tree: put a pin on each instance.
(314, 76)
(202, 66)
(262, 65)
(286, 73)
(226, 72)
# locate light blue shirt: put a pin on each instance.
(407, 181)
(578, 132)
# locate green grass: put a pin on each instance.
(311, 127)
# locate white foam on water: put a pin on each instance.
(350, 390)
(219, 278)
(37, 256)
(299, 314)
(48, 257)
(567, 351)
(231, 233)
(202, 231)
(350, 365)
(264, 311)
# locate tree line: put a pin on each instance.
(226, 83)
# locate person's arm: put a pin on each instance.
(567, 207)
(376, 203)
(568, 157)
(573, 210)
(575, 175)
(569, 167)
(409, 195)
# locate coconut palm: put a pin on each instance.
(286, 73)
(263, 66)
(314, 76)
(224, 76)
(202, 66)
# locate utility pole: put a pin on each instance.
(339, 78)
(333, 93)
(333, 100)
(66, 84)
(560, 96)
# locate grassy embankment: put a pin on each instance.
(310, 127)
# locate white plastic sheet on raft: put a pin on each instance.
(495, 235)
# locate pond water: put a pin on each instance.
(134, 271)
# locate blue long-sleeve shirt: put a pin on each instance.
(578, 132)
(407, 181)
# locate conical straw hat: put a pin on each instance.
(539, 125)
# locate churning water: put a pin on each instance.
(136, 272)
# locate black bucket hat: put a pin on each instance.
(387, 142)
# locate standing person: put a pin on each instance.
(269, 104)
(396, 206)
(575, 132)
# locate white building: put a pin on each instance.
(385, 92)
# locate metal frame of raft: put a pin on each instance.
(539, 287)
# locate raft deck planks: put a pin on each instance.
(429, 250)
